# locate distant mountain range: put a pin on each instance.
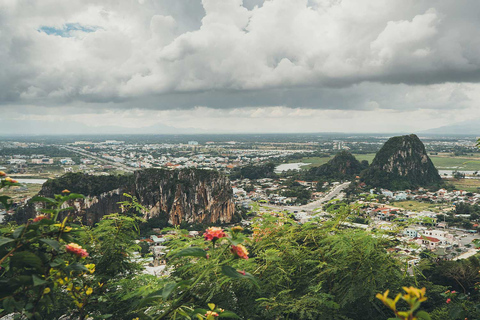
(469, 127)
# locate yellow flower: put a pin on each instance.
(90, 267)
(89, 291)
(237, 229)
(46, 291)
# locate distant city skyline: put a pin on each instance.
(232, 66)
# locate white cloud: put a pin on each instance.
(279, 59)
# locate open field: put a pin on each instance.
(416, 205)
(441, 162)
(459, 163)
(313, 161)
(470, 185)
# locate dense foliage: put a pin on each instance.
(259, 171)
(274, 269)
(344, 166)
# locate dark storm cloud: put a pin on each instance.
(228, 54)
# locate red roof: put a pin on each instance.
(431, 239)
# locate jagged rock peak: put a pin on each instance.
(402, 163)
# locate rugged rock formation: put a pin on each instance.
(343, 166)
(402, 163)
(181, 196)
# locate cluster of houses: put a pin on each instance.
(439, 196)
(269, 190)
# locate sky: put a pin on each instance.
(233, 66)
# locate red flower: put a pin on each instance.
(10, 180)
(77, 250)
(40, 217)
(214, 233)
(240, 251)
(448, 300)
(242, 272)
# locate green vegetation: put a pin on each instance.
(277, 269)
(254, 172)
(342, 166)
(416, 205)
(469, 185)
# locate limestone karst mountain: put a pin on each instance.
(402, 163)
(190, 196)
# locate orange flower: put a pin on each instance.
(211, 313)
(214, 233)
(2, 174)
(40, 217)
(76, 249)
(66, 191)
(10, 180)
(240, 251)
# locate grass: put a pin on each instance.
(17, 193)
(460, 163)
(415, 205)
(469, 185)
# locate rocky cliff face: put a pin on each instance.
(402, 163)
(190, 195)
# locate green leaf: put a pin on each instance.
(43, 199)
(24, 259)
(423, 315)
(18, 232)
(168, 288)
(233, 273)
(4, 241)
(52, 243)
(72, 196)
(191, 252)
(76, 266)
(5, 201)
(228, 314)
(38, 281)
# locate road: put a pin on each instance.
(309, 207)
(92, 156)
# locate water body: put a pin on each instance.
(290, 166)
(32, 181)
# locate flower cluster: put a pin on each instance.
(76, 249)
(40, 217)
(240, 251)
(2, 174)
(11, 180)
(214, 233)
(211, 314)
(413, 297)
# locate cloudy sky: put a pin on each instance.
(212, 66)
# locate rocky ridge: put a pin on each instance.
(190, 196)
